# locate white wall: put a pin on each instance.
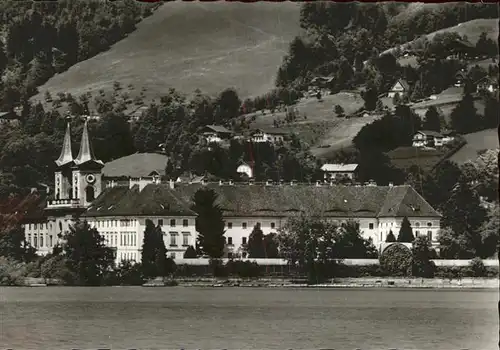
(126, 234)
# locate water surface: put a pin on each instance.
(245, 318)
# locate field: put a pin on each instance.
(485, 139)
(320, 126)
(185, 45)
(471, 29)
(405, 157)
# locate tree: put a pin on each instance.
(464, 215)
(190, 253)
(490, 233)
(491, 119)
(14, 246)
(406, 232)
(209, 223)
(464, 116)
(350, 244)
(309, 244)
(390, 237)
(255, 245)
(87, 255)
(396, 260)
(477, 267)
(432, 120)
(370, 96)
(271, 246)
(422, 253)
(339, 110)
(153, 259)
(396, 100)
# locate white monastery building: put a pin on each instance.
(118, 209)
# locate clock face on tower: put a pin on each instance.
(90, 178)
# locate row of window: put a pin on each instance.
(230, 240)
(173, 222)
(40, 226)
(128, 256)
(244, 225)
(174, 235)
(38, 241)
(127, 239)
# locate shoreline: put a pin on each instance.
(337, 283)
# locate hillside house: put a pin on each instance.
(427, 138)
(448, 136)
(401, 87)
(273, 135)
(339, 172)
(487, 84)
(216, 133)
(9, 118)
(461, 49)
(321, 82)
(460, 79)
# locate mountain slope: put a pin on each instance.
(190, 45)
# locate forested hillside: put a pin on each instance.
(41, 39)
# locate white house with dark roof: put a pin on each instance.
(428, 138)
(216, 133)
(401, 87)
(271, 135)
(339, 171)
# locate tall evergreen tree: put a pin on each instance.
(406, 232)
(255, 246)
(209, 223)
(432, 120)
(464, 214)
(464, 116)
(148, 258)
(87, 254)
(390, 237)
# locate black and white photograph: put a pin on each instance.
(263, 175)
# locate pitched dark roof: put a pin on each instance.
(260, 200)
(271, 131)
(136, 165)
(403, 83)
(153, 200)
(430, 133)
(218, 128)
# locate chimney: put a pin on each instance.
(171, 184)
(269, 182)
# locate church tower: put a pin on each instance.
(87, 177)
(63, 186)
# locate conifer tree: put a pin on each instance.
(406, 232)
(390, 237)
(432, 121)
(464, 115)
(255, 246)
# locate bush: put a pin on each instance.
(477, 267)
(190, 253)
(396, 260)
(243, 269)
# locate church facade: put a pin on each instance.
(119, 210)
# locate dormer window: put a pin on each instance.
(172, 222)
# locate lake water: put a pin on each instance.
(244, 318)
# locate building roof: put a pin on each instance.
(86, 154)
(8, 115)
(153, 200)
(270, 131)
(429, 133)
(66, 156)
(339, 167)
(218, 129)
(136, 165)
(403, 83)
(260, 200)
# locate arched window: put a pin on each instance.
(89, 193)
